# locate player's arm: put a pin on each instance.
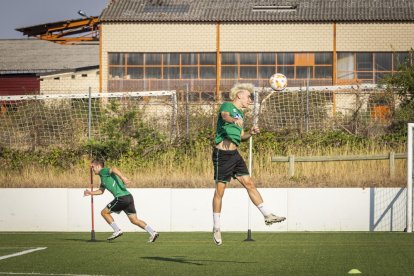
(120, 175)
(227, 118)
(253, 131)
(96, 192)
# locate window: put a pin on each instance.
(285, 58)
(116, 59)
(207, 72)
(345, 66)
(207, 59)
(135, 73)
(267, 58)
(383, 62)
(240, 66)
(189, 59)
(401, 59)
(130, 66)
(153, 59)
(135, 59)
(304, 72)
(171, 72)
(228, 58)
(171, 59)
(369, 66)
(323, 58)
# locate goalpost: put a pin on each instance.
(410, 153)
(342, 107)
(29, 122)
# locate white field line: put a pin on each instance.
(47, 274)
(22, 253)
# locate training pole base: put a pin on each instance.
(249, 236)
(92, 236)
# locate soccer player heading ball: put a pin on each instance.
(227, 161)
(113, 181)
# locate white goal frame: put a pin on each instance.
(410, 150)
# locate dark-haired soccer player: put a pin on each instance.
(113, 181)
(228, 162)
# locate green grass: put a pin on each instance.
(316, 253)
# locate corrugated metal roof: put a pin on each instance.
(38, 56)
(243, 10)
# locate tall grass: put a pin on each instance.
(195, 170)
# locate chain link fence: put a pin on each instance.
(29, 122)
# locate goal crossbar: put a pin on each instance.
(86, 95)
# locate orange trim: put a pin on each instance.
(218, 62)
(334, 56)
(100, 59)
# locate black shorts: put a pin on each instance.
(228, 164)
(122, 203)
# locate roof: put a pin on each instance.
(19, 56)
(257, 10)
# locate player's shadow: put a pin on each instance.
(83, 240)
(183, 260)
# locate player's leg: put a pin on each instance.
(241, 173)
(106, 214)
(217, 203)
(257, 200)
(133, 218)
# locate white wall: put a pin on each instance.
(316, 209)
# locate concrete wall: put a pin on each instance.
(318, 209)
(70, 83)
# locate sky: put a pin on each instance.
(24, 13)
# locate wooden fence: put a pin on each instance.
(292, 159)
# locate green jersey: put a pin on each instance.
(112, 183)
(229, 131)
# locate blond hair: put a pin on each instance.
(238, 87)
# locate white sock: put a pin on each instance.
(149, 229)
(115, 227)
(216, 219)
(263, 209)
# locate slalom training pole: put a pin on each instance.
(255, 121)
(92, 213)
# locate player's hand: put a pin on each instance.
(254, 130)
(86, 192)
(239, 122)
(126, 180)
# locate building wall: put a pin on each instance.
(69, 83)
(276, 37)
(252, 37)
(154, 37)
(19, 85)
(374, 37)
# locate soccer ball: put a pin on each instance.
(278, 82)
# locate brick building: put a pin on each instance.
(211, 44)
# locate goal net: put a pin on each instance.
(304, 109)
(352, 108)
(65, 120)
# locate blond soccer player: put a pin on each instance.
(227, 161)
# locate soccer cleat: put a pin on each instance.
(115, 235)
(270, 219)
(217, 236)
(153, 237)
